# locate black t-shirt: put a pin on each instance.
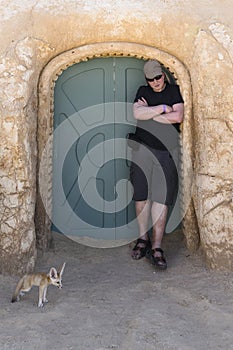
(154, 134)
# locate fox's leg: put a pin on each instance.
(18, 290)
(41, 291)
(44, 295)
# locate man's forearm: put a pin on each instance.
(169, 118)
(176, 115)
(145, 112)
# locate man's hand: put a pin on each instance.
(167, 109)
(142, 102)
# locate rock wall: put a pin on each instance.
(33, 33)
(213, 186)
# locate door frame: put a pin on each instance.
(46, 85)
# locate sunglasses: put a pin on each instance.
(155, 78)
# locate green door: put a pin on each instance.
(93, 114)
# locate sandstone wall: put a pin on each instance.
(33, 33)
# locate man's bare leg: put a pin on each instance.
(159, 217)
(143, 210)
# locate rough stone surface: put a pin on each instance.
(33, 33)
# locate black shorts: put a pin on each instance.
(154, 175)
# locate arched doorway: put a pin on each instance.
(123, 51)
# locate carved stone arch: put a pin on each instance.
(45, 126)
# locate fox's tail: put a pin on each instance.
(17, 290)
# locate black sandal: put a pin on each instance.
(158, 261)
(141, 250)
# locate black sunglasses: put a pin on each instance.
(155, 78)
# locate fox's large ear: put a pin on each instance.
(53, 273)
(62, 269)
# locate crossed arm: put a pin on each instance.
(161, 113)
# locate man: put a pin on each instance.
(159, 110)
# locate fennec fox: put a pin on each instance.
(40, 279)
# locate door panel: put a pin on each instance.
(91, 191)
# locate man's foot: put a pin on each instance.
(157, 258)
(140, 248)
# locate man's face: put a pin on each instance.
(157, 84)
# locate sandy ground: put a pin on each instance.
(110, 301)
